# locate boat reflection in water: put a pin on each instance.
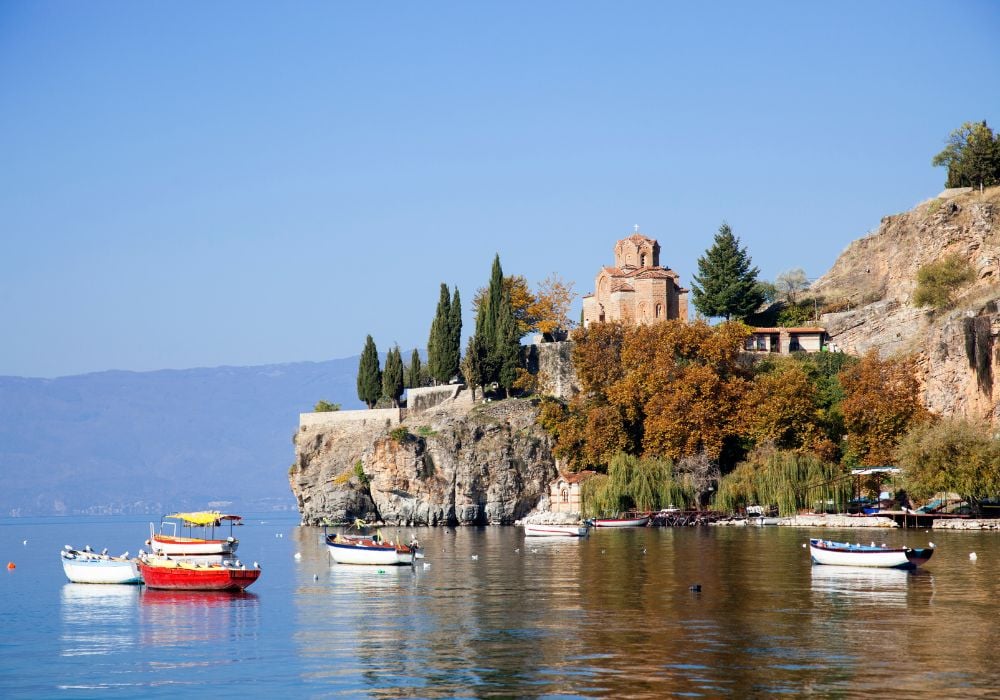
(178, 618)
(869, 586)
(97, 619)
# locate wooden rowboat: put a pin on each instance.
(371, 550)
(532, 530)
(621, 522)
(846, 554)
(87, 566)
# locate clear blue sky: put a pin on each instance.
(199, 184)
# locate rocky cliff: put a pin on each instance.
(870, 287)
(456, 463)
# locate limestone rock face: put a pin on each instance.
(459, 463)
(874, 280)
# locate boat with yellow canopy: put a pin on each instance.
(193, 534)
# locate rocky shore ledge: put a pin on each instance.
(838, 521)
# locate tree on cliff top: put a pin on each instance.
(437, 343)
(392, 377)
(726, 283)
(413, 379)
(452, 359)
(497, 332)
(369, 374)
(972, 156)
(444, 349)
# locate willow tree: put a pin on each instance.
(634, 483)
(789, 480)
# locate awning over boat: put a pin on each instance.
(204, 518)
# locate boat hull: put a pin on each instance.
(84, 568)
(368, 552)
(167, 545)
(845, 554)
(555, 531)
(621, 522)
(179, 576)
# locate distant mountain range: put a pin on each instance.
(152, 442)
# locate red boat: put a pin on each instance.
(185, 576)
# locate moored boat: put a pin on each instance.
(846, 554)
(371, 550)
(536, 530)
(87, 566)
(172, 574)
(200, 539)
(640, 521)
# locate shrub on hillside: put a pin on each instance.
(938, 281)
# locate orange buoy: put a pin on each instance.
(11, 565)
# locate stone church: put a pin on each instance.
(636, 290)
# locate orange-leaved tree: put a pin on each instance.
(882, 402)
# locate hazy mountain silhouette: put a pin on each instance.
(157, 441)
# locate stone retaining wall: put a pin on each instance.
(373, 417)
(966, 524)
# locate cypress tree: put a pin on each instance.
(392, 377)
(454, 354)
(508, 345)
(437, 344)
(472, 364)
(496, 333)
(726, 283)
(369, 375)
(413, 375)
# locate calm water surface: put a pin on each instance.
(492, 615)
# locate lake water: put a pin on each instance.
(608, 616)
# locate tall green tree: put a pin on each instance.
(413, 379)
(972, 156)
(369, 374)
(452, 358)
(497, 332)
(392, 377)
(472, 364)
(440, 337)
(726, 284)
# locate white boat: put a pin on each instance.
(621, 522)
(371, 550)
(87, 566)
(846, 554)
(200, 539)
(532, 530)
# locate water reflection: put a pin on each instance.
(863, 585)
(97, 619)
(180, 618)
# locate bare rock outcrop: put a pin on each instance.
(458, 463)
(870, 287)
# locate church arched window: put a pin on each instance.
(659, 310)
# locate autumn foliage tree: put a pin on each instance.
(666, 390)
(882, 402)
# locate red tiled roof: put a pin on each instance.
(577, 477)
(639, 238)
(790, 329)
